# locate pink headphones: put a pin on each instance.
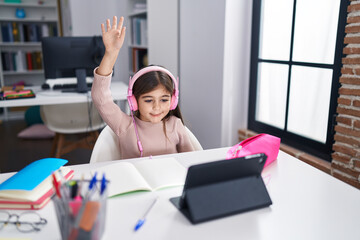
(131, 98)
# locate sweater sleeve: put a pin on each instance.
(110, 112)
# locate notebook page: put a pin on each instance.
(123, 178)
(163, 172)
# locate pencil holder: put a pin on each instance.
(83, 216)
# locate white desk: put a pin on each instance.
(48, 97)
(307, 204)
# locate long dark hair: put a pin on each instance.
(148, 82)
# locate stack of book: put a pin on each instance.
(32, 187)
(139, 59)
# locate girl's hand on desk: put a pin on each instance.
(113, 36)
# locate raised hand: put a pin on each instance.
(113, 36)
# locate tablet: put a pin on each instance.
(222, 188)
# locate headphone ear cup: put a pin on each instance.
(174, 102)
(132, 103)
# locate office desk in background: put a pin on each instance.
(307, 204)
(48, 97)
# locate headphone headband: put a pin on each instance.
(131, 98)
(150, 69)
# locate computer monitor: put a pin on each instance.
(66, 57)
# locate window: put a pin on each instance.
(295, 68)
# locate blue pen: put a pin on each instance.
(92, 182)
(141, 221)
(87, 196)
(103, 185)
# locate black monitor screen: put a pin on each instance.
(66, 57)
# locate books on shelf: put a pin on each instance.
(145, 175)
(15, 31)
(27, 32)
(139, 31)
(31, 187)
(139, 58)
(20, 61)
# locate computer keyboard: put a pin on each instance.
(68, 86)
(66, 83)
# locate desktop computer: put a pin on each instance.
(69, 62)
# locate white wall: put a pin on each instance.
(86, 18)
(214, 68)
(236, 69)
(163, 35)
(202, 25)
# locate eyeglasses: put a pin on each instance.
(25, 222)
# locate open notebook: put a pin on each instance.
(145, 175)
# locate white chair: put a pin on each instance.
(69, 119)
(107, 146)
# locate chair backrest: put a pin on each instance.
(196, 144)
(71, 118)
(107, 146)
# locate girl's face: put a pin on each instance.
(154, 105)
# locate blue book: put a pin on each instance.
(5, 33)
(33, 174)
(33, 181)
(32, 32)
(138, 31)
(10, 29)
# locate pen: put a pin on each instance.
(80, 184)
(103, 185)
(73, 186)
(91, 186)
(141, 221)
(56, 185)
(64, 186)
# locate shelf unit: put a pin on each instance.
(20, 41)
(160, 31)
(138, 43)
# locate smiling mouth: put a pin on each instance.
(155, 115)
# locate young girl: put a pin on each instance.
(157, 127)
